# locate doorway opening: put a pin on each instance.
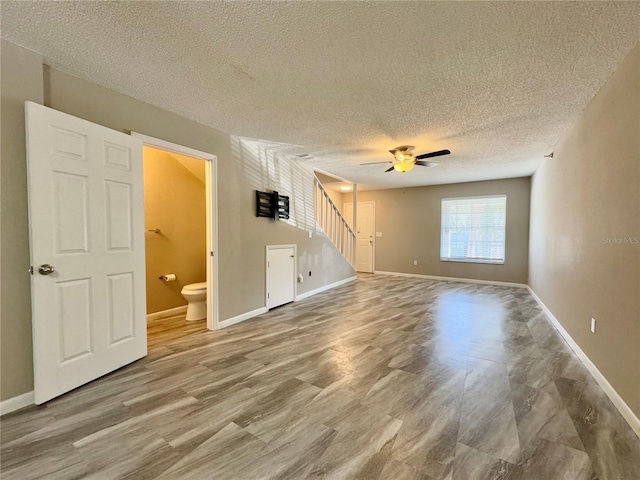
(181, 240)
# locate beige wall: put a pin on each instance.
(174, 202)
(21, 81)
(242, 236)
(581, 201)
(409, 219)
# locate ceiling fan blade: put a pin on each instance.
(426, 164)
(389, 169)
(374, 163)
(433, 154)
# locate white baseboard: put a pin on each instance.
(452, 279)
(166, 313)
(16, 403)
(311, 293)
(623, 408)
(242, 317)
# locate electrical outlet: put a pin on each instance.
(593, 325)
(415, 262)
(310, 233)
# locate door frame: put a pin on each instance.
(211, 180)
(355, 226)
(266, 270)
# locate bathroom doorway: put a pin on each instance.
(181, 238)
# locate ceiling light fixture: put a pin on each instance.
(404, 165)
(404, 158)
(346, 188)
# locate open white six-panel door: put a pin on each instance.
(86, 222)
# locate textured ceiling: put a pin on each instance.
(496, 83)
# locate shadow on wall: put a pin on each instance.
(269, 166)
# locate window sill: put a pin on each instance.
(472, 260)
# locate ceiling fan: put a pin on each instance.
(405, 160)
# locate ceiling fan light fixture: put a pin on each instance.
(404, 166)
(405, 160)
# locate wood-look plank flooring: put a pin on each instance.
(384, 378)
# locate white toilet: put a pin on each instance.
(196, 296)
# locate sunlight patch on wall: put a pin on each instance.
(271, 166)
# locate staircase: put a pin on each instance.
(333, 224)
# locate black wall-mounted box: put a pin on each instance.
(272, 205)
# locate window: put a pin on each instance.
(473, 229)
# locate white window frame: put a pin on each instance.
(475, 260)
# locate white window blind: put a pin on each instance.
(473, 229)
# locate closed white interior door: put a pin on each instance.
(86, 223)
(364, 234)
(281, 275)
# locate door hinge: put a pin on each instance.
(31, 269)
(268, 265)
(267, 294)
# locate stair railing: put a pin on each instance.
(333, 223)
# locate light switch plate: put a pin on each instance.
(378, 234)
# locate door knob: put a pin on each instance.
(46, 269)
